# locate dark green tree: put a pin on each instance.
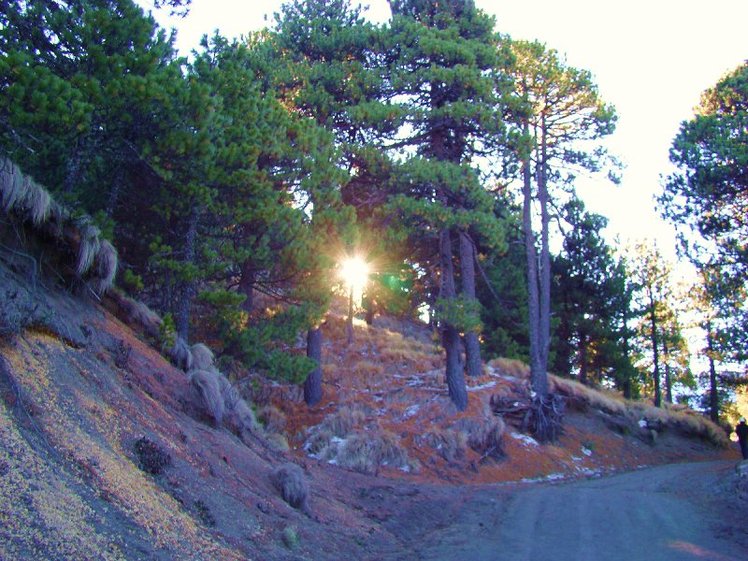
(707, 197)
(440, 63)
(590, 301)
(564, 119)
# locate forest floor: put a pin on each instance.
(103, 454)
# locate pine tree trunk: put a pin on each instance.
(583, 359)
(655, 354)
(187, 288)
(545, 255)
(538, 377)
(246, 285)
(450, 335)
(668, 383)
(313, 383)
(472, 344)
(713, 394)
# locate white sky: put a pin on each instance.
(650, 58)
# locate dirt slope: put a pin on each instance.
(104, 453)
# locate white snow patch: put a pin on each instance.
(411, 411)
(586, 451)
(577, 458)
(481, 387)
(551, 477)
(524, 438)
(643, 423)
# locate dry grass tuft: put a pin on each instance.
(208, 386)
(180, 354)
(136, 313)
(580, 396)
(38, 203)
(365, 452)
(272, 418)
(451, 444)
(13, 184)
(320, 444)
(510, 367)
(689, 423)
(88, 245)
(344, 421)
(202, 356)
(105, 267)
(277, 442)
(485, 435)
(290, 481)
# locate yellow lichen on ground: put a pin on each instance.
(99, 453)
(38, 512)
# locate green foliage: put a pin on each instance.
(705, 200)
(167, 332)
(592, 301)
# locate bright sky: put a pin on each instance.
(650, 58)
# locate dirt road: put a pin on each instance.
(674, 512)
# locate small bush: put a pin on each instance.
(484, 436)
(319, 444)
(449, 443)
(278, 442)
(272, 418)
(365, 452)
(17, 311)
(290, 537)
(344, 421)
(204, 514)
(290, 481)
(151, 457)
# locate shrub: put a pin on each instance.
(365, 452)
(151, 457)
(485, 436)
(290, 481)
(343, 422)
(451, 444)
(290, 537)
(272, 418)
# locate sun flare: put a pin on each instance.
(354, 272)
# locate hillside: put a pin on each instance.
(107, 452)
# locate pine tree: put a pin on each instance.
(440, 64)
(564, 119)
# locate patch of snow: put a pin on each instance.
(589, 472)
(524, 438)
(586, 451)
(481, 387)
(551, 477)
(410, 411)
(643, 423)
(577, 458)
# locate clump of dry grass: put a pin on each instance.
(272, 418)
(510, 367)
(581, 397)
(202, 356)
(484, 435)
(207, 384)
(320, 444)
(451, 444)
(343, 422)
(687, 422)
(136, 313)
(365, 452)
(290, 481)
(181, 354)
(105, 267)
(31, 202)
